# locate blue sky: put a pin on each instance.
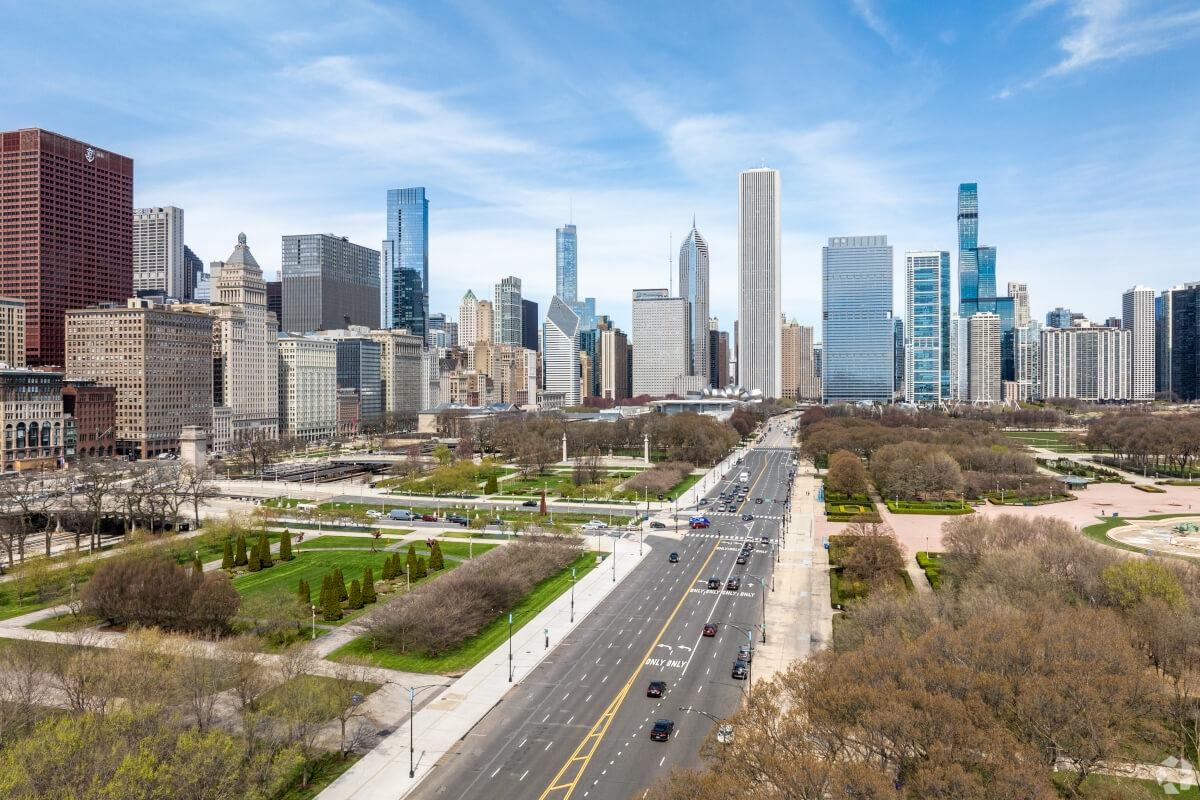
(1078, 118)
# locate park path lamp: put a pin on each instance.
(314, 620)
(412, 693)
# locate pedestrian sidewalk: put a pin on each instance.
(382, 774)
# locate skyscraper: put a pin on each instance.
(968, 240)
(796, 343)
(662, 336)
(856, 303)
(1019, 292)
(1162, 342)
(1086, 363)
(983, 359)
(614, 364)
(468, 311)
(926, 343)
(560, 352)
(1059, 318)
(1137, 316)
(693, 286)
(159, 266)
(1185, 342)
(404, 273)
(718, 355)
(328, 282)
(68, 232)
(529, 325)
(506, 322)
(759, 266)
(566, 264)
(195, 268)
(898, 354)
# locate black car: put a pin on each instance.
(739, 670)
(734, 584)
(758, 500)
(747, 517)
(656, 689)
(458, 519)
(658, 526)
(714, 583)
(530, 504)
(673, 558)
(741, 559)
(662, 730)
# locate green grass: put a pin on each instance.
(64, 623)
(1043, 500)
(321, 684)
(358, 542)
(325, 771)
(931, 563)
(9, 608)
(1096, 783)
(281, 581)
(1056, 441)
(943, 507)
(1099, 533)
(472, 651)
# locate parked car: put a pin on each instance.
(658, 526)
(428, 518)
(457, 519)
(402, 514)
(594, 525)
(662, 730)
(531, 504)
(373, 514)
(656, 689)
(739, 671)
(710, 629)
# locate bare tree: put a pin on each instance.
(25, 499)
(198, 486)
(22, 687)
(92, 496)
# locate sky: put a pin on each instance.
(1077, 118)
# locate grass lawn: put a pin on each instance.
(325, 772)
(321, 685)
(64, 623)
(280, 581)
(358, 542)
(10, 608)
(1056, 441)
(474, 649)
(948, 507)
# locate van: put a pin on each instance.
(744, 477)
(402, 514)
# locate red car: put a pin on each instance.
(428, 518)
(710, 629)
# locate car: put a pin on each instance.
(733, 584)
(745, 653)
(662, 730)
(656, 689)
(703, 501)
(766, 540)
(594, 525)
(457, 519)
(739, 670)
(747, 517)
(710, 629)
(428, 518)
(673, 558)
(530, 504)
(658, 526)
(374, 514)
(402, 514)
(714, 583)
(741, 559)
(758, 500)
(495, 521)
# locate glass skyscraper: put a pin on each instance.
(856, 309)
(927, 338)
(968, 241)
(693, 285)
(566, 264)
(404, 272)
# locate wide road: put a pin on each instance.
(579, 725)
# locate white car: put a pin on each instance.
(374, 514)
(594, 525)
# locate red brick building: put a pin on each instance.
(94, 409)
(66, 232)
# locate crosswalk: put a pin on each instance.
(710, 534)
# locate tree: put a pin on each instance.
(354, 599)
(239, 557)
(155, 591)
(197, 486)
(339, 585)
(254, 563)
(304, 594)
(410, 561)
(213, 604)
(443, 454)
(386, 574)
(368, 586)
(421, 570)
(96, 488)
(846, 474)
(491, 486)
(436, 561)
(873, 559)
(1134, 581)
(285, 546)
(331, 608)
(227, 556)
(264, 551)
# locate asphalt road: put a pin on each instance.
(579, 725)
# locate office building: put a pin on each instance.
(1019, 292)
(589, 362)
(529, 325)
(693, 287)
(1137, 317)
(1002, 307)
(194, 268)
(925, 345)
(983, 358)
(359, 367)
(898, 355)
(160, 361)
(32, 408)
(614, 365)
(976, 265)
(400, 356)
(159, 265)
(274, 302)
(468, 309)
(507, 326)
(759, 267)
(1059, 318)
(1162, 342)
(796, 343)
(560, 352)
(404, 264)
(1185, 342)
(960, 351)
(67, 208)
(513, 370)
(347, 412)
(12, 332)
(1028, 378)
(856, 303)
(307, 387)
(328, 282)
(92, 407)
(1088, 363)
(566, 264)
(718, 356)
(662, 335)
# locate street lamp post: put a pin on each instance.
(412, 693)
(314, 620)
(510, 658)
(572, 594)
(614, 556)
(763, 585)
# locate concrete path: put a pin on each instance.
(382, 774)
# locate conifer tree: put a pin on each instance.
(436, 561)
(285, 546)
(410, 563)
(355, 599)
(227, 556)
(264, 551)
(386, 574)
(254, 563)
(368, 586)
(239, 555)
(197, 566)
(331, 609)
(339, 585)
(304, 594)
(325, 582)
(420, 571)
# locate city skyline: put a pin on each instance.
(997, 86)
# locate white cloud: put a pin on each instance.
(875, 21)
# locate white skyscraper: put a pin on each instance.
(661, 336)
(1086, 363)
(158, 263)
(1019, 292)
(307, 387)
(759, 266)
(959, 352)
(1137, 316)
(468, 309)
(560, 352)
(984, 357)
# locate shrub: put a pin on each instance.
(304, 594)
(155, 591)
(436, 561)
(368, 586)
(339, 585)
(660, 478)
(213, 604)
(421, 571)
(846, 474)
(285, 546)
(227, 557)
(355, 599)
(264, 551)
(254, 564)
(239, 558)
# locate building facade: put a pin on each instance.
(1137, 317)
(566, 264)
(718, 357)
(614, 365)
(160, 361)
(507, 325)
(662, 333)
(67, 208)
(1185, 342)
(560, 352)
(1019, 292)
(693, 286)
(12, 332)
(1028, 377)
(983, 358)
(1086, 363)
(926, 342)
(93, 407)
(529, 325)
(856, 304)
(159, 265)
(328, 282)
(404, 267)
(898, 355)
(468, 310)
(31, 406)
(307, 388)
(400, 356)
(759, 269)
(796, 342)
